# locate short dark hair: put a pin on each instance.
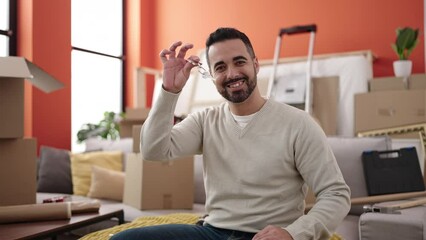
(222, 34)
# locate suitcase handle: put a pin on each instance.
(390, 151)
(298, 29)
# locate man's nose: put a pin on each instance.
(232, 72)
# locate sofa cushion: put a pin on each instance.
(81, 167)
(348, 153)
(348, 228)
(54, 171)
(106, 184)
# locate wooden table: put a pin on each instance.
(50, 229)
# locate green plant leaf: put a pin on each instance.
(406, 41)
(107, 128)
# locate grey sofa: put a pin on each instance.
(348, 153)
(346, 150)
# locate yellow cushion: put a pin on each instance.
(183, 218)
(106, 184)
(81, 167)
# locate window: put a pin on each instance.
(97, 62)
(7, 28)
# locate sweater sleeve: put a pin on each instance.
(161, 139)
(318, 167)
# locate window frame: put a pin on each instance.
(121, 57)
(11, 33)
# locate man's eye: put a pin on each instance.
(220, 69)
(240, 63)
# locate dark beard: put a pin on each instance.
(239, 96)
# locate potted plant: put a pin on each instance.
(406, 41)
(107, 128)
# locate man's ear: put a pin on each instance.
(256, 64)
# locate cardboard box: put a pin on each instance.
(325, 102)
(387, 109)
(386, 84)
(136, 138)
(134, 116)
(126, 127)
(18, 171)
(159, 185)
(13, 71)
(415, 81)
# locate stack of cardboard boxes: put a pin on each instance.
(18, 154)
(390, 103)
(156, 185)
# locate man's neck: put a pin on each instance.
(251, 105)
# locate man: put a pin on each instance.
(259, 155)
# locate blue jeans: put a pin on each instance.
(182, 232)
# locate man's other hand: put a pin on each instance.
(272, 233)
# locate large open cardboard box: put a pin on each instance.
(13, 72)
(18, 171)
(159, 185)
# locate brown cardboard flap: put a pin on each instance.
(42, 79)
(19, 67)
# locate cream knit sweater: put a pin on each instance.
(258, 175)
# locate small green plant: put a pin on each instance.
(107, 128)
(406, 41)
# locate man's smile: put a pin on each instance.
(235, 84)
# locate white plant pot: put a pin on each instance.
(402, 68)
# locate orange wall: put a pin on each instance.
(44, 29)
(139, 41)
(49, 46)
(342, 25)
(52, 52)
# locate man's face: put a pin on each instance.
(233, 69)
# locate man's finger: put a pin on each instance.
(262, 233)
(163, 55)
(184, 49)
(172, 49)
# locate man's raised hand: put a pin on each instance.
(176, 68)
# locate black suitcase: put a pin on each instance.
(394, 171)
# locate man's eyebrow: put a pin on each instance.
(239, 58)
